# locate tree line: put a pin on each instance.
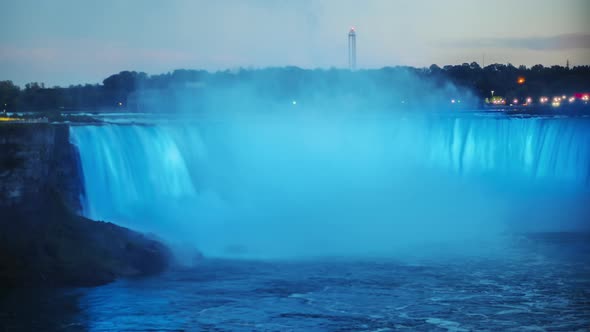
(138, 91)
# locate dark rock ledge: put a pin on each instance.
(50, 246)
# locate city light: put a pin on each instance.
(453, 101)
(555, 100)
(498, 101)
(521, 80)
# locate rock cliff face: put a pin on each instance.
(43, 242)
(35, 158)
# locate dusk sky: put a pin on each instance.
(63, 42)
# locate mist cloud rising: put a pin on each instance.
(252, 91)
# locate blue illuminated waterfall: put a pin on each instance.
(290, 186)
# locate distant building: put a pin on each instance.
(352, 49)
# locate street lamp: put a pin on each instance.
(492, 93)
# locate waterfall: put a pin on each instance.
(304, 185)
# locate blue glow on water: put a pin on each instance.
(305, 185)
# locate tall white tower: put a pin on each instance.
(352, 49)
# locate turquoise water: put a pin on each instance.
(308, 222)
(309, 185)
(541, 283)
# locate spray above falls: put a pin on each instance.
(302, 185)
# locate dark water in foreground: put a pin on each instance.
(541, 283)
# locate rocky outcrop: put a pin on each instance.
(43, 241)
(35, 157)
(49, 246)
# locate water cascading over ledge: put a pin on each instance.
(302, 185)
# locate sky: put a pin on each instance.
(63, 42)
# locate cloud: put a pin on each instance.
(559, 42)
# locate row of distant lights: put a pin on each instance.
(556, 101)
(499, 102)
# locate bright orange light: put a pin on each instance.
(521, 80)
